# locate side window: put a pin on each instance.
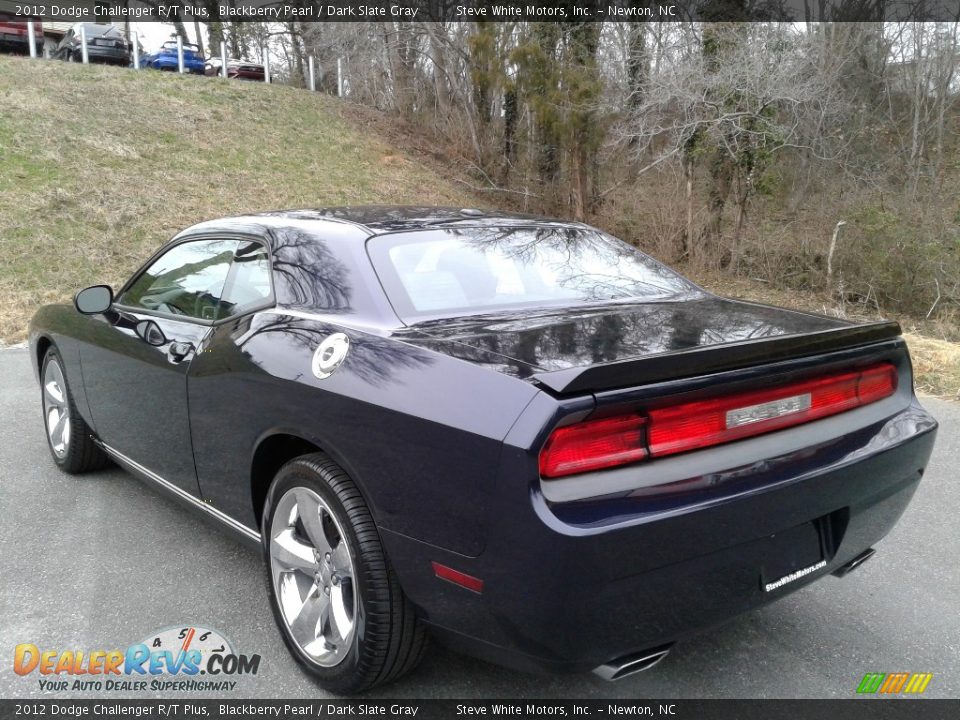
(186, 280)
(249, 284)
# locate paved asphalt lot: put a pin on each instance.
(102, 561)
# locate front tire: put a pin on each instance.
(69, 438)
(334, 596)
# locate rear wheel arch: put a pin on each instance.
(272, 453)
(276, 450)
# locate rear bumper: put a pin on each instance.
(116, 56)
(18, 43)
(168, 63)
(571, 586)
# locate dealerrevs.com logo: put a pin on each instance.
(183, 658)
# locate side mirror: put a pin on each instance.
(94, 300)
(150, 333)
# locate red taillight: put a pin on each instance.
(593, 445)
(610, 442)
(710, 422)
(877, 383)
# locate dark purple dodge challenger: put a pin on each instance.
(520, 435)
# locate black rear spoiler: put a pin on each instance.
(714, 358)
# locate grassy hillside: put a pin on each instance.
(99, 166)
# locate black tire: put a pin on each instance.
(389, 639)
(80, 454)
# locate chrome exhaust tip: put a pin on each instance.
(855, 563)
(631, 664)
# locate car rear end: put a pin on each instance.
(687, 458)
(108, 46)
(246, 71)
(14, 37)
(626, 518)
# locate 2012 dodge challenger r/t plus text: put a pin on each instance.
(520, 435)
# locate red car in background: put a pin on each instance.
(238, 69)
(13, 34)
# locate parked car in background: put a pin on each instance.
(105, 44)
(13, 34)
(166, 58)
(237, 69)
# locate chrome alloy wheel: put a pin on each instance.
(56, 410)
(313, 576)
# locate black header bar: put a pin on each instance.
(489, 10)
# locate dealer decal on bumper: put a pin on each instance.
(787, 579)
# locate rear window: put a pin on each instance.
(96, 29)
(455, 271)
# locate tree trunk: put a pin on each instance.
(547, 36)
(400, 40)
(296, 47)
(583, 87)
(510, 116)
(196, 29)
(686, 241)
(721, 173)
(638, 65)
(441, 70)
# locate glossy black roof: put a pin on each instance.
(394, 218)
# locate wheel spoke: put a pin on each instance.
(292, 554)
(309, 511)
(340, 622)
(340, 558)
(57, 431)
(53, 392)
(305, 624)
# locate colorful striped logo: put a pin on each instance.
(893, 683)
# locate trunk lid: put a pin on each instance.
(594, 348)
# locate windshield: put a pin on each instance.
(476, 270)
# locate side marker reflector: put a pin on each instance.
(470, 582)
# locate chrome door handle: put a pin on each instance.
(179, 350)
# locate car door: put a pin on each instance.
(136, 382)
(224, 385)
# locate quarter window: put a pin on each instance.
(248, 285)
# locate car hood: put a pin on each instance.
(546, 340)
